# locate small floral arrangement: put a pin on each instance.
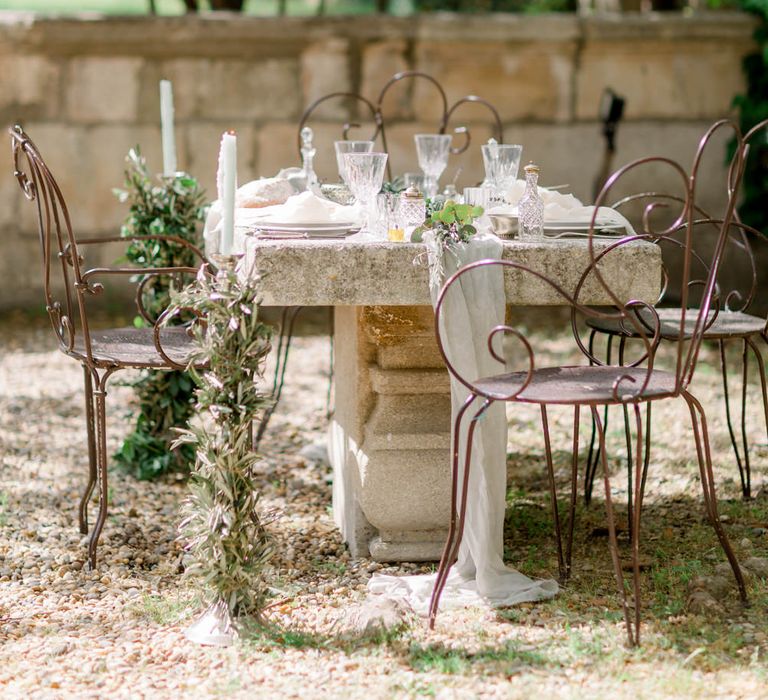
(450, 225)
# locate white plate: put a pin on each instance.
(304, 228)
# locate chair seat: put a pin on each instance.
(135, 347)
(728, 324)
(578, 385)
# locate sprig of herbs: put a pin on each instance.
(222, 527)
(452, 224)
(172, 207)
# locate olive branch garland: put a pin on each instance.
(222, 528)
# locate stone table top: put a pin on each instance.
(346, 273)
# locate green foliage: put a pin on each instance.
(452, 224)
(222, 528)
(753, 108)
(172, 207)
(482, 6)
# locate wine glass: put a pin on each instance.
(343, 147)
(501, 161)
(432, 151)
(364, 177)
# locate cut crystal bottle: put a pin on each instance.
(530, 208)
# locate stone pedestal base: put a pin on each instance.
(390, 435)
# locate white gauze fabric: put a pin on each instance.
(480, 576)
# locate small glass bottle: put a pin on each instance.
(530, 208)
(307, 160)
(413, 209)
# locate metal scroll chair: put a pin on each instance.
(596, 383)
(731, 322)
(375, 112)
(70, 289)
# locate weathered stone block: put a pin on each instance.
(325, 69)
(29, 87)
(380, 61)
(661, 79)
(103, 89)
(528, 80)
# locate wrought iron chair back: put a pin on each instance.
(61, 260)
(101, 352)
(734, 290)
(601, 383)
(375, 111)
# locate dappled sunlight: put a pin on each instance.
(82, 632)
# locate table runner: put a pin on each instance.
(480, 576)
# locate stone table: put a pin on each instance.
(390, 432)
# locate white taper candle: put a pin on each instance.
(166, 125)
(228, 172)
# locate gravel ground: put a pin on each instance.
(66, 632)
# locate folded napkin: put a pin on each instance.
(302, 208)
(564, 208)
(308, 208)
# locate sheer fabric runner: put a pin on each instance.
(479, 577)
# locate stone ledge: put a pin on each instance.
(409, 381)
(227, 34)
(322, 273)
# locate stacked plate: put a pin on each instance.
(277, 230)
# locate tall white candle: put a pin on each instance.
(166, 124)
(228, 179)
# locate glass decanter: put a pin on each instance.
(530, 208)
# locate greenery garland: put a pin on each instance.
(222, 529)
(172, 207)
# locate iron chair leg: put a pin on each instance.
(763, 389)
(593, 456)
(287, 320)
(701, 438)
(743, 466)
(613, 543)
(574, 490)
(100, 396)
(562, 570)
(456, 529)
(82, 510)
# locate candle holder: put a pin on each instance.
(226, 263)
(213, 628)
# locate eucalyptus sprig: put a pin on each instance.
(452, 224)
(222, 527)
(167, 206)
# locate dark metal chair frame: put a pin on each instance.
(376, 112)
(100, 352)
(731, 321)
(600, 383)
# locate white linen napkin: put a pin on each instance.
(564, 208)
(480, 576)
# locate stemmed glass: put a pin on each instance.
(501, 161)
(343, 147)
(364, 177)
(432, 151)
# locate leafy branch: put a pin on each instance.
(222, 528)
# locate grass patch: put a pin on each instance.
(507, 659)
(163, 610)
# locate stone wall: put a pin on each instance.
(86, 90)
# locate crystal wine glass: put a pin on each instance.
(501, 161)
(364, 176)
(432, 151)
(343, 147)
